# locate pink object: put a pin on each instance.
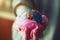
(30, 25)
(44, 20)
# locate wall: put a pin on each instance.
(5, 29)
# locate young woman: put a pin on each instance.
(20, 11)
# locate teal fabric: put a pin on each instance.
(37, 17)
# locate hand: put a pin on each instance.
(35, 36)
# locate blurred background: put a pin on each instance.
(50, 8)
(6, 19)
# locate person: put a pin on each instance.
(16, 34)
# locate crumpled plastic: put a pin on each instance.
(37, 21)
(32, 24)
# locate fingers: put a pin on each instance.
(26, 37)
(35, 35)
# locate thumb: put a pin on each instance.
(35, 34)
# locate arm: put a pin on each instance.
(15, 33)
